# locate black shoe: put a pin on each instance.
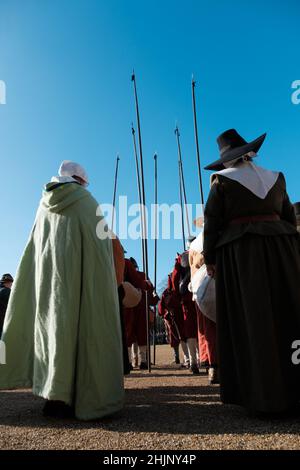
(195, 370)
(177, 360)
(58, 409)
(143, 366)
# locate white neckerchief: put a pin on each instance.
(258, 180)
(197, 244)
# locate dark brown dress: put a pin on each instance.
(258, 294)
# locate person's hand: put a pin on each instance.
(211, 270)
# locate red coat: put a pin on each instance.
(187, 304)
(135, 318)
(136, 278)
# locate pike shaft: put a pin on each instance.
(115, 193)
(197, 142)
(155, 254)
(139, 188)
(181, 180)
(144, 222)
(181, 205)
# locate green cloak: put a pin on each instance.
(62, 328)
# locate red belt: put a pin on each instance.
(255, 218)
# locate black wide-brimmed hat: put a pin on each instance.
(7, 278)
(233, 146)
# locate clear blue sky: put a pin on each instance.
(67, 67)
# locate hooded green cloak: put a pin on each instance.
(62, 328)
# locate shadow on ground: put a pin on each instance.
(168, 409)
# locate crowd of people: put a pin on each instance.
(186, 324)
(76, 318)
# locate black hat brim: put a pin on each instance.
(237, 152)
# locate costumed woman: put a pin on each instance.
(251, 246)
(62, 326)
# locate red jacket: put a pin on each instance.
(136, 278)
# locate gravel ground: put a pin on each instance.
(169, 409)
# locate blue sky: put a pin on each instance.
(67, 67)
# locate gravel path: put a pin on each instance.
(169, 409)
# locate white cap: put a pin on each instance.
(197, 244)
(68, 168)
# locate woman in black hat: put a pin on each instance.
(251, 246)
(5, 287)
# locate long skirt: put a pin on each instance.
(207, 339)
(258, 319)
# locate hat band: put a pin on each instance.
(224, 149)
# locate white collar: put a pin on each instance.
(63, 179)
(258, 180)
